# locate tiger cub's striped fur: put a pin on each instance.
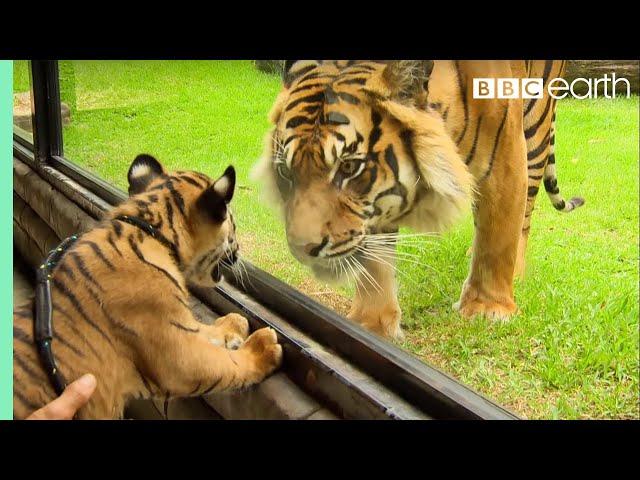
(361, 148)
(120, 302)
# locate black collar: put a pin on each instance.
(42, 327)
(153, 232)
(43, 313)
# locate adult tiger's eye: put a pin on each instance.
(349, 167)
(284, 172)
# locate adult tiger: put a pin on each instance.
(360, 148)
(120, 302)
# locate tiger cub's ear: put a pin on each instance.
(226, 184)
(403, 80)
(213, 202)
(142, 172)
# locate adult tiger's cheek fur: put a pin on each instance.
(264, 173)
(445, 190)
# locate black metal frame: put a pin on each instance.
(22, 140)
(434, 392)
(47, 121)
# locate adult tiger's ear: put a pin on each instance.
(293, 69)
(402, 80)
(213, 202)
(142, 172)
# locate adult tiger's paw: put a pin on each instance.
(473, 304)
(263, 352)
(490, 310)
(381, 321)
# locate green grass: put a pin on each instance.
(571, 353)
(20, 76)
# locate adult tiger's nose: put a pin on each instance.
(304, 249)
(314, 249)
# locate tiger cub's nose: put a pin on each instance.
(232, 258)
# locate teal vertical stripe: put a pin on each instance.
(6, 240)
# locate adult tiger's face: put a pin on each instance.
(343, 166)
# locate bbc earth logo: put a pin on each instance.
(488, 88)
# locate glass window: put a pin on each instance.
(201, 115)
(22, 100)
(571, 352)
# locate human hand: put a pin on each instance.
(75, 396)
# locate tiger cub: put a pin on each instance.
(120, 302)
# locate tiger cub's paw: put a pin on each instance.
(231, 330)
(264, 352)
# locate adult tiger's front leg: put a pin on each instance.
(498, 218)
(375, 305)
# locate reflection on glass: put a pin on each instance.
(22, 100)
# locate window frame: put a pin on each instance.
(424, 386)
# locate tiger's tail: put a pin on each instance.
(551, 179)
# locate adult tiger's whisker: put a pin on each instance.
(400, 256)
(367, 275)
(343, 268)
(391, 253)
(375, 258)
(403, 235)
(356, 277)
(394, 241)
(393, 246)
(354, 272)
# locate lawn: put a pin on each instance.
(571, 353)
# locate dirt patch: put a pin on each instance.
(321, 293)
(325, 295)
(22, 103)
(22, 111)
